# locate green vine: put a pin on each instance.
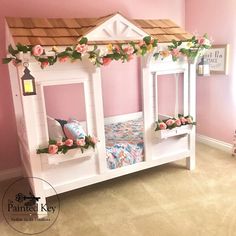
(63, 146)
(172, 123)
(103, 56)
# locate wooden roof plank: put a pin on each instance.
(28, 22)
(155, 31)
(14, 22)
(57, 23)
(71, 23)
(174, 30)
(142, 23)
(20, 32)
(38, 32)
(169, 23)
(58, 31)
(41, 23)
(23, 40)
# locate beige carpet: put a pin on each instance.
(167, 200)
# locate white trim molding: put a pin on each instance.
(123, 118)
(227, 147)
(10, 173)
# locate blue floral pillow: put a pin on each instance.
(74, 130)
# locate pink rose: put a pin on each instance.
(44, 64)
(60, 143)
(52, 149)
(63, 59)
(82, 48)
(80, 142)
(117, 48)
(175, 52)
(162, 126)
(170, 122)
(128, 49)
(69, 142)
(141, 43)
(106, 61)
(94, 139)
(183, 120)
(14, 62)
(189, 120)
(37, 50)
(201, 40)
(178, 122)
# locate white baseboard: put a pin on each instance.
(227, 147)
(10, 173)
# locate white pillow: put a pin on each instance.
(54, 129)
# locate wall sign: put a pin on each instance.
(217, 57)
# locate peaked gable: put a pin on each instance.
(116, 28)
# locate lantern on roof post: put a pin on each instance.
(203, 67)
(28, 82)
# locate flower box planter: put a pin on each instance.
(167, 133)
(55, 159)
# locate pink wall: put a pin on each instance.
(174, 9)
(167, 94)
(65, 101)
(216, 96)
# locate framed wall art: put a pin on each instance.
(217, 57)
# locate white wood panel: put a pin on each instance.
(99, 118)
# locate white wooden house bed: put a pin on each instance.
(76, 169)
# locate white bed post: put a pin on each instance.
(190, 161)
(34, 168)
(147, 97)
(99, 118)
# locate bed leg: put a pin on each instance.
(190, 162)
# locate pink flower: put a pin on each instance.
(69, 142)
(141, 43)
(175, 52)
(170, 122)
(189, 120)
(44, 64)
(106, 61)
(63, 59)
(128, 49)
(37, 50)
(183, 120)
(14, 62)
(117, 48)
(94, 139)
(60, 143)
(82, 48)
(178, 122)
(162, 125)
(80, 142)
(203, 41)
(52, 149)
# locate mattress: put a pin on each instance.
(124, 143)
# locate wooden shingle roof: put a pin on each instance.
(63, 32)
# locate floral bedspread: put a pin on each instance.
(124, 143)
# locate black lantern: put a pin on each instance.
(28, 83)
(203, 68)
